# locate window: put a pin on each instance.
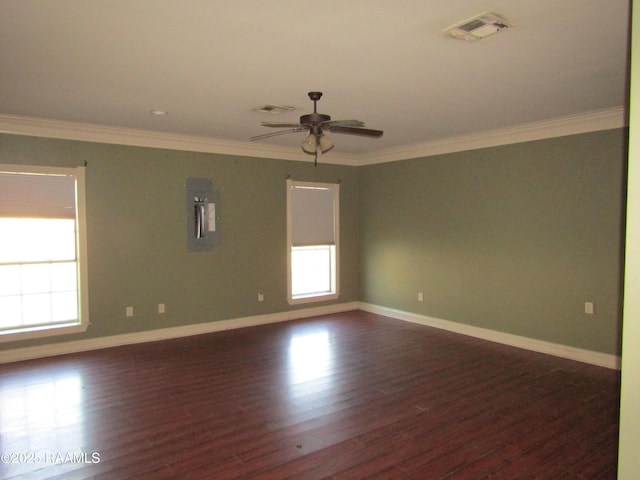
(42, 244)
(312, 241)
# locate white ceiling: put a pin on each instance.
(210, 63)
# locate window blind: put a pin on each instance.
(37, 196)
(312, 216)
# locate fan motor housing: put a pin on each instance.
(314, 118)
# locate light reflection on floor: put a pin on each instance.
(310, 357)
(45, 415)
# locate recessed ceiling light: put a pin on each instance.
(159, 113)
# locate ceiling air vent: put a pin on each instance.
(274, 109)
(478, 27)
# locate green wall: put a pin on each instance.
(512, 238)
(137, 241)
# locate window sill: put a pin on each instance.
(39, 332)
(313, 298)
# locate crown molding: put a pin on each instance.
(605, 119)
(87, 132)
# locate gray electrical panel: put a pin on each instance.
(203, 215)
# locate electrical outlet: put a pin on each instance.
(588, 308)
(420, 297)
(161, 308)
(129, 312)
(261, 297)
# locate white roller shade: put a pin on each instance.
(312, 216)
(37, 196)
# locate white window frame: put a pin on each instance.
(335, 248)
(82, 322)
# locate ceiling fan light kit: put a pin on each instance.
(312, 143)
(316, 123)
(325, 143)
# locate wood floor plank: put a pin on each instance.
(345, 396)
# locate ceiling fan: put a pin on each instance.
(317, 123)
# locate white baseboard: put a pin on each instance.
(540, 346)
(29, 353)
(558, 350)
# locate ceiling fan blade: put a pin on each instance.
(345, 123)
(275, 134)
(280, 125)
(365, 132)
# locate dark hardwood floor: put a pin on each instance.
(345, 396)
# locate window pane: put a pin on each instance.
(61, 239)
(9, 280)
(64, 277)
(36, 278)
(11, 308)
(37, 239)
(64, 306)
(36, 309)
(10, 240)
(41, 292)
(311, 270)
